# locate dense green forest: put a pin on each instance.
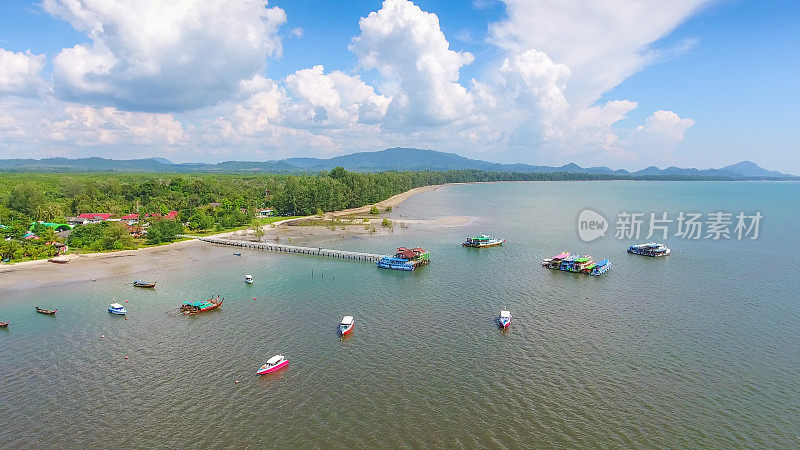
(203, 201)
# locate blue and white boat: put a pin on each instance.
(601, 267)
(116, 308)
(653, 249)
(405, 259)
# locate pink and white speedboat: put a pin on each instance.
(273, 364)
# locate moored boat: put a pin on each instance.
(483, 241)
(49, 312)
(237, 254)
(653, 249)
(196, 307)
(116, 308)
(4, 324)
(405, 259)
(248, 279)
(273, 364)
(347, 325)
(143, 284)
(60, 259)
(574, 262)
(504, 320)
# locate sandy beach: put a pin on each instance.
(338, 225)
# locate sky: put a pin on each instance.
(620, 83)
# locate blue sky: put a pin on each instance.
(623, 84)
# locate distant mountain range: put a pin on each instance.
(398, 159)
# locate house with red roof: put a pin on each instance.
(130, 219)
(94, 217)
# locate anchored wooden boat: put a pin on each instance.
(143, 284)
(197, 307)
(4, 324)
(49, 312)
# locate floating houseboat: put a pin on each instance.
(197, 307)
(273, 364)
(116, 308)
(574, 262)
(650, 249)
(504, 320)
(347, 325)
(483, 241)
(405, 259)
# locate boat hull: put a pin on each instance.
(345, 331)
(144, 285)
(265, 370)
(504, 323)
(119, 312)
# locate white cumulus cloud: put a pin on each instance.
(152, 55)
(655, 141)
(420, 71)
(88, 125)
(19, 73)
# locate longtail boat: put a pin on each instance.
(4, 324)
(143, 284)
(196, 307)
(49, 312)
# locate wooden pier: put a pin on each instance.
(324, 252)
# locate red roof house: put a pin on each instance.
(95, 216)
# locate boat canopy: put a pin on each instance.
(347, 320)
(603, 262)
(505, 314)
(561, 255)
(116, 306)
(197, 303)
(274, 360)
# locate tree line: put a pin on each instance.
(217, 201)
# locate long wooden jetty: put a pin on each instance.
(328, 253)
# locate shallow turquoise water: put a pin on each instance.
(697, 349)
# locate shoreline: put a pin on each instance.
(97, 265)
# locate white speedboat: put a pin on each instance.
(347, 325)
(504, 319)
(248, 279)
(116, 308)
